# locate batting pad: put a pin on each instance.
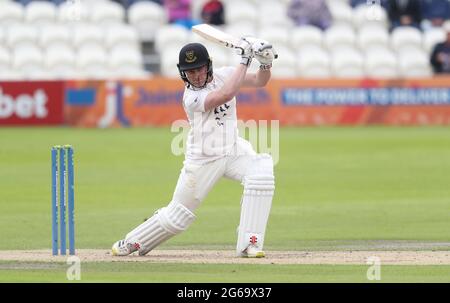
(164, 224)
(259, 186)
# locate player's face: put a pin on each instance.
(197, 76)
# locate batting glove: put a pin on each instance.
(264, 52)
(245, 51)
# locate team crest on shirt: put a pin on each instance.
(190, 56)
(220, 112)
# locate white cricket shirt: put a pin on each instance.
(213, 133)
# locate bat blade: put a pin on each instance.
(215, 35)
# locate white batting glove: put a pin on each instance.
(264, 53)
(245, 51)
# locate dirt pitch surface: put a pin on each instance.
(227, 257)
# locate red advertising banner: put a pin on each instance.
(31, 103)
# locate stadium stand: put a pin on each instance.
(313, 62)
(28, 60)
(341, 12)
(371, 34)
(272, 14)
(285, 68)
(60, 60)
(105, 39)
(432, 37)
(406, 36)
(40, 13)
(5, 58)
(86, 34)
(55, 35)
(381, 62)
(347, 62)
(11, 13)
(91, 61)
(339, 35)
(413, 62)
(306, 35)
(278, 36)
(373, 14)
(107, 13)
(241, 14)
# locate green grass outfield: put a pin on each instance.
(337, 189)
(220, 273)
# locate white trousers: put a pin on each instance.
(254, 171)
(196, 181)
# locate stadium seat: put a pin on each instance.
(341, 12)
(59, 54)
(406, 36)
(369, 14)
(432, 37)
(285, 65)
(11, 13)
(381, 62)
(73, 12)
(194, 38)
(121, 35)
(273, 13)
(88, 33)
(413, 63)
(243, 14)
(219, 56)
(130, 73)
(347, 62)
(5, 58)
(125, 55)
(21, 34)
(234, 59)
(169, 60)
(10, 75)
(339, 35)
(27, 59)
(306, 35)
(313, 62)
(60, 61)
(91, 62)
(277, 36)
(196, 8)
(2, 36)
(107, 13)
(328, 1)
(239, 30)
(371, 34)
(147, 17)
(171, 36)
(40, 13)
(56, 34)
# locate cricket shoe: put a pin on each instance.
(253, 251)
(124, 248)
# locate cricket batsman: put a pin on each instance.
(215, 150)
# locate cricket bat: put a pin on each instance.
(215, 35)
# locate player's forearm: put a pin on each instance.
(259, 79)
(234, 83)
(228, 91)
(262, 77)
